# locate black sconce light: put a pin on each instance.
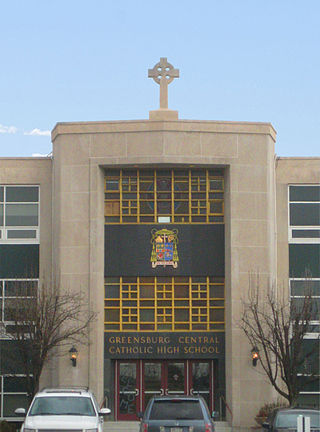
(254, 356)
(73, 356)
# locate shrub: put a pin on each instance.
(267, 408)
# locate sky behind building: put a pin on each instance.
(248, 60)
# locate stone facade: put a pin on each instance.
(256, 223)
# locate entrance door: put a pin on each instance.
(175, 377)
(201, 380)
(153, 384)
(128, 390)
(138, 380)
(163, 378)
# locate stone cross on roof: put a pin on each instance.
(163, 73)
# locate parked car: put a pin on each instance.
(176, 414)
(63, 409)
(286, 418)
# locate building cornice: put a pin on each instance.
(205, 126)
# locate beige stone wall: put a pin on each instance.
(246, 150)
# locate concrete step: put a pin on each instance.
(222, 426)
(121, 426)
(133, 426)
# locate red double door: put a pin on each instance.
(137, 381)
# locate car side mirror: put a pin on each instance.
(20, 412)
(265, 425)
(140, 414)
(104, 411)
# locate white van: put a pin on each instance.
(67, 409)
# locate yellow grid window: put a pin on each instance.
(164, 304)
(134, 196)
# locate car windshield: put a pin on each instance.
(62, 405)
(289, 419)
(176, 410)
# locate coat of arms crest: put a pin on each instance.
(164, 248)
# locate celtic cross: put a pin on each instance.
(163, 73)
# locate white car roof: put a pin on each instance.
(64, 391)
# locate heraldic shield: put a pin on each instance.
(164, 248)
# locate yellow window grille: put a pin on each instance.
(164, 304)
(171, 196)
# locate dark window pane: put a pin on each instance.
(111, 326)
(112, 219)
(1, 214)
(22, 194)
(310, 351)
(15, 309)
(305, 214)
(297, 304)
(216, 291)
(112, 184)
(20, 288)
(302, 287)
(181, 315)
(21, 234)
(1, 194)
(146, 291)
(22, 214)
(112, 291)
(15, 384)
(313, 386)
(19, 261)
(181, 291)
(216, 315)
(147, 315)
(181, 207)
(304, 193)
(112, 280)
(304, 260)
(111, 315)
(11, 402)
(111, 303)
(11, 362)
(305, 233)
(113, 172)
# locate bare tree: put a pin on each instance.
(277, 328)
(42, 319)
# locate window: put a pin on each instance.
(13, 395)
(304, 213)
(304, 269)
(164, 304)
(164, 196)
(12, 290)
(19, 214)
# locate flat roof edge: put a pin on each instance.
(63, 128)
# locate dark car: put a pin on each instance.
(177, 414)
(286, 418)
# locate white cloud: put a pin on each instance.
(38, 132)
(8, 129)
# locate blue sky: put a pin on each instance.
(239, 60)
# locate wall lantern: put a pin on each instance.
(254, 356)
(73, 356)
